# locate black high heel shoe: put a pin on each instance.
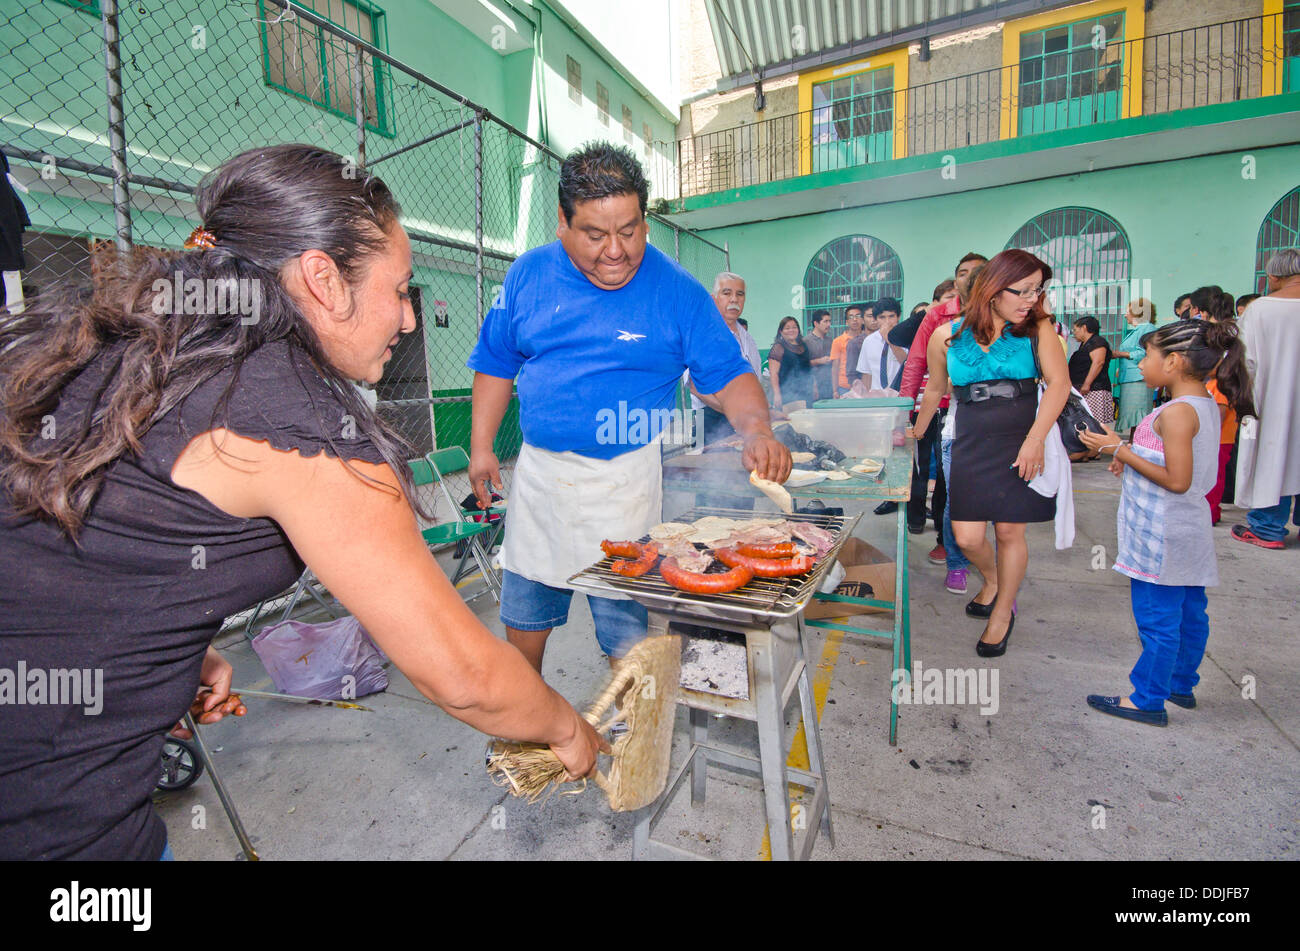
(975, 609)
(984, 649)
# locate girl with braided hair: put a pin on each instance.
(1165, 542)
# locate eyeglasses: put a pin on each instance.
(1032, 294)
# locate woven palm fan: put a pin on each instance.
(641, 733)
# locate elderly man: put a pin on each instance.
(1268, 452)
(598, 328)
(729, 296)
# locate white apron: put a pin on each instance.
(562, 505)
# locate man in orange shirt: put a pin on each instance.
(853, 317)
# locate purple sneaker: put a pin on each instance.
(956, 581)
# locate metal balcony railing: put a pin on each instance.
(1220, 62)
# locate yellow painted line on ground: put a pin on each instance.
(821, 686)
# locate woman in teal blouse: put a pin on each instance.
(1135, 397)
(988, 357)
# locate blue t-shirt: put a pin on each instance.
(597, 370)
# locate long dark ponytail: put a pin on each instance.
(1210, 347)
(263, 208)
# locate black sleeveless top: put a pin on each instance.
(140, 596)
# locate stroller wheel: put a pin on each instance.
(181, 765)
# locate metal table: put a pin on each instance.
(714, 472)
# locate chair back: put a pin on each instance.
(442, 463)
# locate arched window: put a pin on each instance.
(854, 269)
(1281, 229)
(1089, 255)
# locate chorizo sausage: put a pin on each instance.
(621, 549)
(697, 583)
(646, 555)
(779, 550)
(766, 567)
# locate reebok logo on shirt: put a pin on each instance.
(627, 335)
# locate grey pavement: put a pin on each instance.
(1044, 777)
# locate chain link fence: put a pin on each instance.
(113, 112)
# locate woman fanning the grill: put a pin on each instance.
(988, 355)
(136, 427)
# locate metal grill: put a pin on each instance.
(768, 599)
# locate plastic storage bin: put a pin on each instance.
(858, 428)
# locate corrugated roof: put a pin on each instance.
(783, 36)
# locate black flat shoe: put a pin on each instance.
(1185, 700)
(975, 609)
(886, 508)
(995, 650)
(1111, 706)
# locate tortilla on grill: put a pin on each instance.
(773, 491)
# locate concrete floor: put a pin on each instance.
(1222, 781)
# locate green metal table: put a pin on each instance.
(895, 486)
(721, 472)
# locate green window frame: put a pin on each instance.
(314, 65)
(853, 119)
(1091, 260)
(573, 70)
(1279, 230)
(852, 269)
(1291, 46)
(1067, 78)
(602, 104)
(85, 6)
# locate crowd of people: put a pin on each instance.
(130, 434)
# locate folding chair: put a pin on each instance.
(433, 469)
(307, 585)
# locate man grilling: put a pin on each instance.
(596, 329)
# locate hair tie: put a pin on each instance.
(200, 238)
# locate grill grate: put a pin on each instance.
(766, 598)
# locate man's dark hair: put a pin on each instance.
(857, 307)
(743, 322)
(1178, 302)
(820, 314)
(891, 304)
(1245, 299)
(970, 256)
(599, 170)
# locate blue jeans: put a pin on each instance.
(1270, 523)
(956, 560)
(532, 606)
(1174, 627)
(167, 853)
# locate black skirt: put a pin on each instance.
(984, 487)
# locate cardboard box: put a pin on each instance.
(862, 563)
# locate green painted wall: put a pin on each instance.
(569, 123)
(1189, 222)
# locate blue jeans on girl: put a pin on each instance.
(1174, 627)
